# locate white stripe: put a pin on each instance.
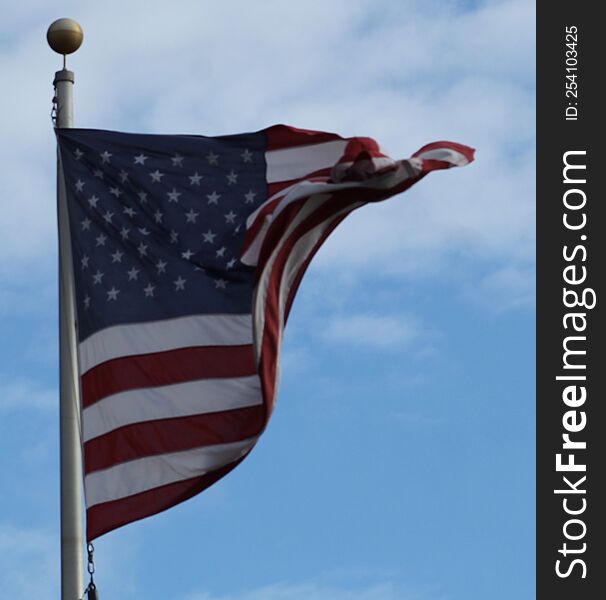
(447, 155)
(151, 472)
(294, 163)
(294, 263)
(170, 401)
(388, 180)
(405, 169)
(306, 189)
(299, 254)
(159, 336)
(260, 296)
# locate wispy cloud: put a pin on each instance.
(505, 288)
(317, 591)
(373, 331)
(29, 564)
(406, 73)
(26, 394)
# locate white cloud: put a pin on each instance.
(316, 591)
(295, 360)
(405, 72)
(505, 289)
(374, 332)
(29, 564)
(24, 394)
(29, 291)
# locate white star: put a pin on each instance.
(142, 197)
(221, 252)
(117, 256)
(84, 261)
(127, 210)
(187, 254)
(161, 266)
(133, 274)
(232, 178)
(158, 216)
(86, 224)
(195, 178)
(79, 154)
(97, 277)
(93, 201)
(108, 217)
(124, 233)
(174, 237)
(156, 176)
(86, 302)
(123, 176)
(143, 231)
(105, 156)
(209, 236)
(112, 294)
(115, 192)
(191, 216)
(177, 160)
(140, 160)
(220, 283)
(98, 173)
(230, 217)
(179, 283)
(101, 240)
(231, 263)
(212, 158)
(149, 290)
(79, 185)
(173, 196)
(213, 198)
(250, 197)
(247, 156)
(142, 248)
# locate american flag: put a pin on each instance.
(187, 252)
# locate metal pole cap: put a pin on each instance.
(65, 36)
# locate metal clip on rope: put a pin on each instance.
(91, 589)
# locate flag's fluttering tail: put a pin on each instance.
(187, 253)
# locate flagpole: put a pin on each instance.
(65, 36)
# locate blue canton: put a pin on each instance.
(157, 223)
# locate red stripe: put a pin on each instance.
(353, 195)
(270, 346)
(271, 333)
(284, 136)
(172, 435)
(342, 197)
(299, 276)
(270, 207)
(257, 224)
(278, 186)
(108, 516)
(165, 368)
(339, 199)
(466, 151)
(357, 146)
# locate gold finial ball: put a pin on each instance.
(64, 36)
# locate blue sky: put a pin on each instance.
(399, 464)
